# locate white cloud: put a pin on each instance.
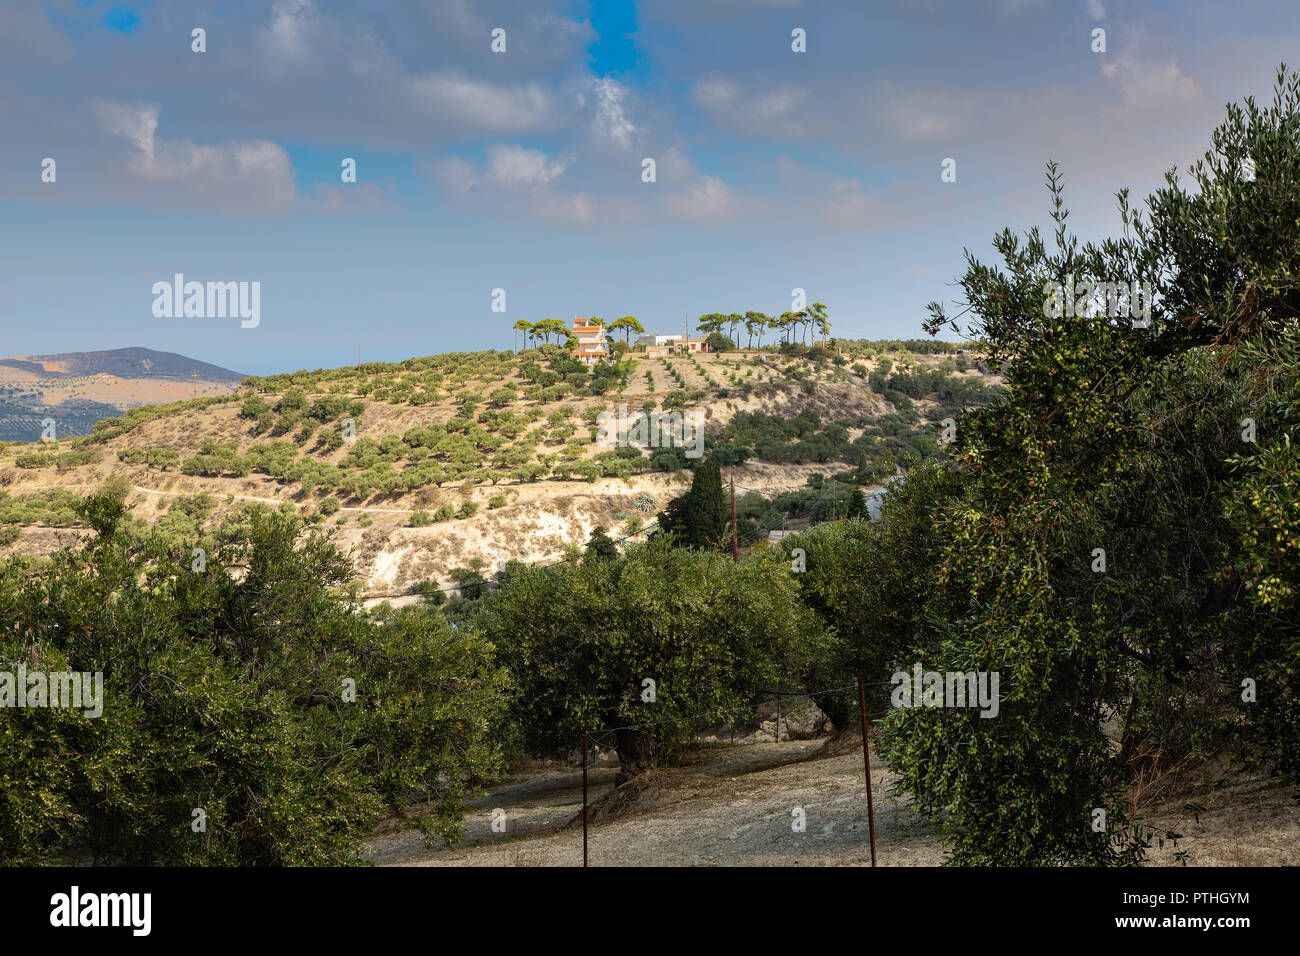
(709, 199)
(358, 72)
(1096, 10)
(484, 105)
(925, 116)
(611, 123)
(1149, 85)
(255, 173)
(673, 165)
(774, 112)
(850, 207)
(294, 30)
(578, 208)
(815, 195)
(457, 173)
(517, 166)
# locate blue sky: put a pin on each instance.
(522, 170)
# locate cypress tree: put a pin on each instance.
(858, 506)
(708, 517)
(701, 518)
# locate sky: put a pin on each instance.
(523, 168)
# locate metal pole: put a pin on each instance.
(866, 762)
(735, 532)
(584, 796)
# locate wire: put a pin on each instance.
(685, 718)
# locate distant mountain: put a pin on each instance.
(136, 363)
(77, 389)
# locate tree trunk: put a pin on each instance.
(840, 708)
(636, 753)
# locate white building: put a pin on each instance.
(653, 339)
(591, 341)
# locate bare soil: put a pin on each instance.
(731, 805)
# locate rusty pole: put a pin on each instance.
(735, 532)
(584, 796)
(866, 762)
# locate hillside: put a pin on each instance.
(438, 463)
(77, 389)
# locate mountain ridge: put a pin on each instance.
(129, 362)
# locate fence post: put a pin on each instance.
(866, 762)
(584, 796)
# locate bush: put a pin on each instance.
(254, 406)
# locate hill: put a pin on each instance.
(125, 363)
(73, 390)
(448, 463)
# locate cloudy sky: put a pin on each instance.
(522, 170)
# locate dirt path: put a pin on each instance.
(271, 501)
(732, 809)
(732, 806)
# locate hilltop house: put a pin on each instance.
(591, 341)
(657, 346)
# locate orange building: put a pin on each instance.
(591, 341)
